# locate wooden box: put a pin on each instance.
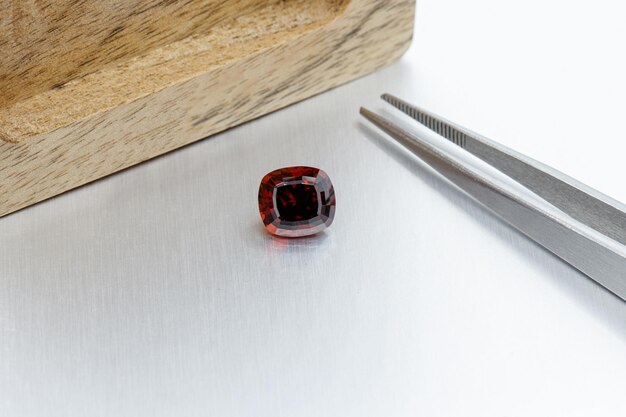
(91, 87)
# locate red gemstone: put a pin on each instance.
(296, 201)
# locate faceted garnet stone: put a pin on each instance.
(296, 201)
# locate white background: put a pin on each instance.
(156, 292)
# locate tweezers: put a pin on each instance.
(575, 222)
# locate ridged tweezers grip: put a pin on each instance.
(436, 124)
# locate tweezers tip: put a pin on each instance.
(379, 121)
(365, 112)
(371, 116)
(387, 97)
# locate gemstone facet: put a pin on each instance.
(296, 201)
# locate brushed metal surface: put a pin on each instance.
(157, 292)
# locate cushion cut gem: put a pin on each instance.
(296, 201)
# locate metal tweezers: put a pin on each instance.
(578, 224)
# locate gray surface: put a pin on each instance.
(157, 292)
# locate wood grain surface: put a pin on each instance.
(45, 43)
(182, 85)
